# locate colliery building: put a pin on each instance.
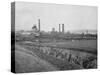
(61, 34)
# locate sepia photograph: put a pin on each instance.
(53, 37)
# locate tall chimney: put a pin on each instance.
(63, 28)
(39, 24)
(59, 28)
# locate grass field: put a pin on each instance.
(89, 46)
(81, 54)
(78, 44)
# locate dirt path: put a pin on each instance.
(27, 61)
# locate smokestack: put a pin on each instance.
(63, 28)
(59, 28)
(39, 24)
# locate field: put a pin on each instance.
(46, 54)
(84, 45)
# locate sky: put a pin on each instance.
(74, 17)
